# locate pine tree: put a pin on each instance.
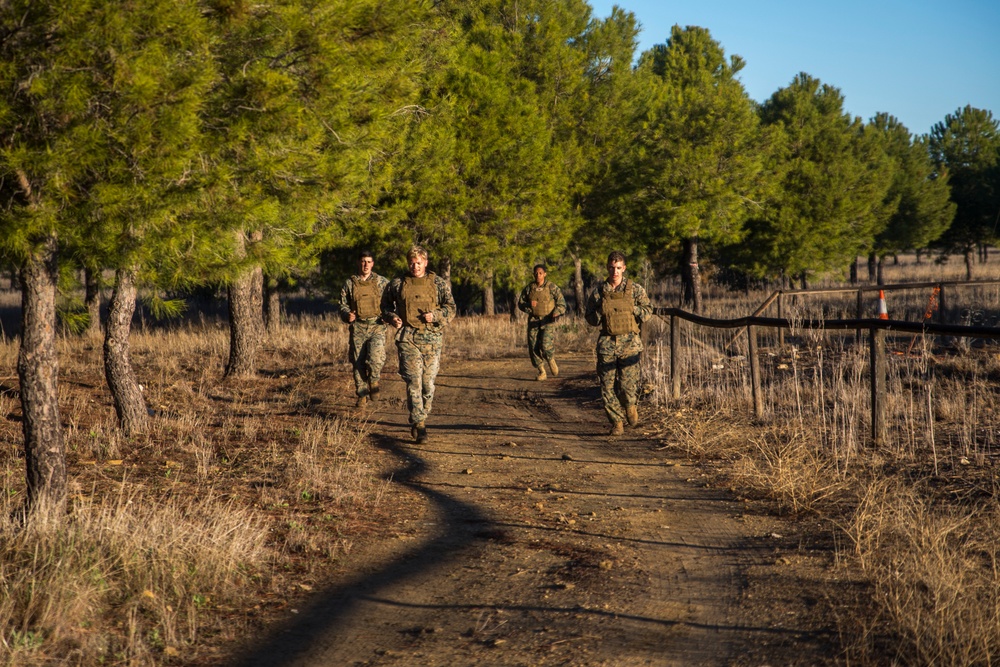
(832, 177)
(967, 145)
(698, 173)
(917, 203)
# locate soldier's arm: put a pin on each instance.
(643, 309)
(560, 300)
(345, 301)
(446, 309)
(389, 298)
(522, 300)
(593, 312)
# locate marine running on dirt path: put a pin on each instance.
(419, 305)
(360, 306)
(618, 306)
(544, 303)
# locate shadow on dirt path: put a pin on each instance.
(527, 537)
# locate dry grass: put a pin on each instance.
(173, 535)
(122, 579)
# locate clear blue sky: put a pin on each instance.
(917, 60)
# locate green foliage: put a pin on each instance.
(833, 177)
(697, 168)
(917, 204)
(966, 144)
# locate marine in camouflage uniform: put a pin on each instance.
(420, 305)
(618, 306)
(361, 307)
(544, 303)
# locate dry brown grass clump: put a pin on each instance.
(935, 574)
(122, 579)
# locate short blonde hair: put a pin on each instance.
(416, 251)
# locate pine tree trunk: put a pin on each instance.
(130, 406)
(968, 263)
(272, 307)
(444, 268)
(246, 322)
(854, 271)
(872, 267)
(489, 305)
(919, 255)
(692, 274)
(38, 372)
(512, 305)
(578, 289)
(92, 300)
(879, 276)
(804, 280)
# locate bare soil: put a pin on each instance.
(521, 534)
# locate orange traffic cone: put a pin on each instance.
(883, 314)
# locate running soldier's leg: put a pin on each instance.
(430, 346)
(411, 369)
(607, 372)
(547, 341)
(533, 344)
(376, 354)
(355, 353)
(630, 355)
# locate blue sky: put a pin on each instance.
(918, 60)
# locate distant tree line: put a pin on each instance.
(245, 146)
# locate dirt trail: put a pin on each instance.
(528, 537)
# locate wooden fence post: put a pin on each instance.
(781, 330)
(758, 398)
(858, 313)
(878, 381)
(675, 353)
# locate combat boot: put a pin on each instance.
(554, 367)
(373, 390)
(421, 433)
(360, 403)
(617, 429)
(632, 414)
(541, 374)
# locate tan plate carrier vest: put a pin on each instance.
(367, 300)
(419, 296)
(544, 303)
(617, 318)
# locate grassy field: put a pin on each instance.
(243, 496)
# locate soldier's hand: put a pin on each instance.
(351, 316)
(534, 304)
(396, 322)
(427, 317)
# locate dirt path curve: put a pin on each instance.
(529, 538)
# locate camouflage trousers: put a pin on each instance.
(419, 361)
(367, 354)
(541, 341)
(618, 369)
